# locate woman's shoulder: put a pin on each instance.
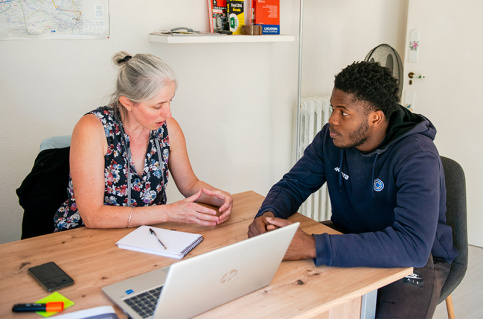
(106, 117)
(173, 126)
(89, 124)
(104, 112)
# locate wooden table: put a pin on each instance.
(91, 257)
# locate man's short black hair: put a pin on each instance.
(370, 82)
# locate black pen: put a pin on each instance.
(155, 235)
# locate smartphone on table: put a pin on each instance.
(51, 276)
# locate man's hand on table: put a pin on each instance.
(302, 245)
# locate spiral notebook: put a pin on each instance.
(159, 241)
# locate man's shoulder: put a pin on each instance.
(414, 150)
(413, 143)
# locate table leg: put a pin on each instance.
(368, 306)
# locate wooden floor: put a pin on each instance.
(468, 296)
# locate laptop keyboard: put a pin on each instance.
(144, 303)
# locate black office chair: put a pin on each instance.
(45, 187)
(456, 218)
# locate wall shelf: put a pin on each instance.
(171, 39)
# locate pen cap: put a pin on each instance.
(54, 306)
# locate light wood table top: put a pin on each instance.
(92, 259)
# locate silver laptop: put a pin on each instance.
(195, 285)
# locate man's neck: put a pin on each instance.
(375, 139)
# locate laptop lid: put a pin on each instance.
(195, 285)
(206, 281)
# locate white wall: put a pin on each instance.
(450, 95)
(337, 33)
(235, 102)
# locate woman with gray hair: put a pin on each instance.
(120, 155)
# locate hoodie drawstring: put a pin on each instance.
(340, 170)
(373, 170)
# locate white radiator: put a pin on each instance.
(314, 113)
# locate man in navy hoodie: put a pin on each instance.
(386, 187)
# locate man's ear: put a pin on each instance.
(377, 118)
(127, 103)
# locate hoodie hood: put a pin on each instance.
(403, 123)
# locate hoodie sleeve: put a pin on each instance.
(305, 177)
(408, 241)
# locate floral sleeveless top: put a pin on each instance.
(148, 189)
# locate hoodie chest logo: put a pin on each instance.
(378, 185)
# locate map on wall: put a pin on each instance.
(54, 19)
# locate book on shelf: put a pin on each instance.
(160, 241)
(217, 15)
(236, 15)
(266, 13)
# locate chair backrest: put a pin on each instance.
(456, 218)
(60, 141)
(45, 187)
